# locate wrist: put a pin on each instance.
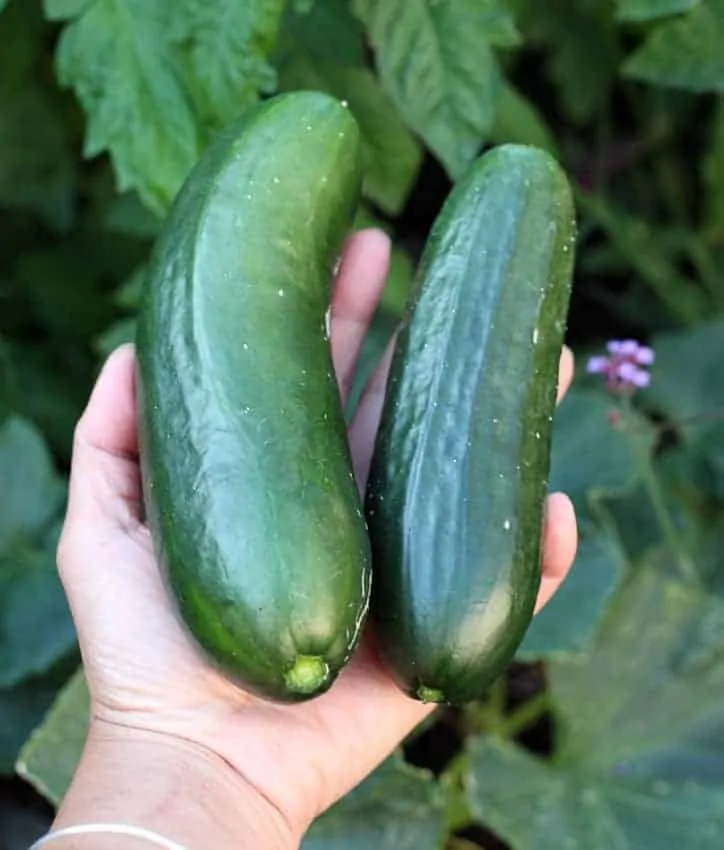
(171, 786)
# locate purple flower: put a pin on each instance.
(624, 368)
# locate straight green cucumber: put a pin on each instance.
(247, 477)
(459, 474)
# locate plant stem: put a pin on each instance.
(526, 715)
(687, 569)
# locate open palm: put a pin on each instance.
(143, 671)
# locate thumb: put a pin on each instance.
(105, 488)
(105, 553)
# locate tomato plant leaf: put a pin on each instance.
(436, 62)
(391, 155)
(116, 55)
(223, 48)
(684, 52)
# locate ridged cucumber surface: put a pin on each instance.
(247, 477)
(459, 475)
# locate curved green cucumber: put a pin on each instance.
(247, 476)
(459, 475)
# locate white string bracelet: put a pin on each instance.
(109, 829)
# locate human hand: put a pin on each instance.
(147, 677)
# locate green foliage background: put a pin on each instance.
(105, 105)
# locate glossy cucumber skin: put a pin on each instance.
(459, 475)
(247, 476)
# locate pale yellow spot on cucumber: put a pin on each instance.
(307, 675)
(425, 694)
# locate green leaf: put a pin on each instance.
(223, 47)
(436, 63)
(569, 621)
(590, 458)
(392, 157)
(60, 10)
(115, 54)
(518, 121)
(686, 386)
(128, 294)
(713, 171)
(22, 709)
(36, 629)
(641, 734)
(3, 4)
(398, 807)
(49, 758)
(686, 380)
(127, 216)
(119, 333)
(26, 472)
(684, 53)
(648, 10)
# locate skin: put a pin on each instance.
(155, 701)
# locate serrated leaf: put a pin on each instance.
(391, 155)
(397, 807)
(436, 63)
(685, 52)
(115, 55)
(518, 121)
(49, 758)
(223, 47)
(649, 10)
(713, 171)
(589, 456)
(641, 734)
(569, 621)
